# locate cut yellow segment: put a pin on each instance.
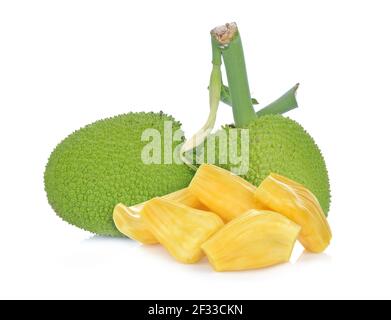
(180, 229)
(184, 196)
(128, 222)
(256, 239)
(298, 204)
(128, 219)
(222, 192)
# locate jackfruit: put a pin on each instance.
(100, 165)
(128, 219)
(223, 192)
(297, 203)
(256, 239)
(184, 196)
(180, 229)
(128, 222)
(281, 145)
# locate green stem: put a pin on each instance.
(227, 39)
(283, 104)
(215, 84)
(226, 97)
(216, 54)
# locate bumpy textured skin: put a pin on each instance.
(281, 145)
(100, 165)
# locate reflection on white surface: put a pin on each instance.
(102, 239)
(308, 257)
(98, 249)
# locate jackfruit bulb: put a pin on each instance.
(128, 219)
(256, 239)
(179, 228)
(298, 204)
(280, 145)
(100, 165)
(224, 193)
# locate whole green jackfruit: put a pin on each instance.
(281, 145)
(100, 165)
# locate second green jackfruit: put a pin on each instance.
(281, 145)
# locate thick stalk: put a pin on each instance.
(227, 39)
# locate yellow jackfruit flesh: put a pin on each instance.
(184, 196)
(180, 229)
(256, 239)
(128, 219)
(298, 204)
(128, 222)
(222, 192)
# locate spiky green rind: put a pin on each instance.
(100, 165)
(281, 145)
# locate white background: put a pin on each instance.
(64, 64)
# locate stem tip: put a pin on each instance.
(225, 33)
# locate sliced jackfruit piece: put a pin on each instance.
(222, 192)
(180, 229)
(184, 196)
(128, 222)
(128, 219)
(256, 239)
(297, 203)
